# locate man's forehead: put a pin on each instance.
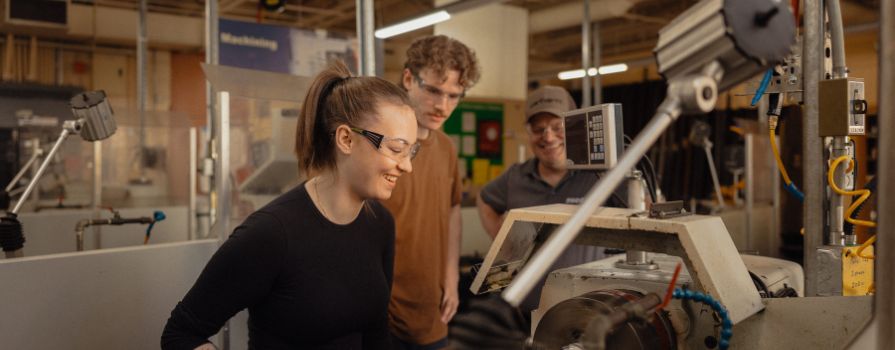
(449, 79)
(543, 118)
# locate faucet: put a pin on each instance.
(117, 220)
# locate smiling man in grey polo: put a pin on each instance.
(543, 179)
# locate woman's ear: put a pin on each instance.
(343, 139)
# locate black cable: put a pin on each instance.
(786, 292)
(652, 174)
(775, 104)
(650, 183)
(763, 290)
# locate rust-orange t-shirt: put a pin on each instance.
(421, 205)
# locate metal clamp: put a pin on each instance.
(668, 210)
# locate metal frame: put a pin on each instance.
(142, 42)
(884, 306)
(701, 241)
(585, 55)
(222, 185)
(192, 220)
(365, 29)
(812, 144)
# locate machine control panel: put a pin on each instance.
(594, 136)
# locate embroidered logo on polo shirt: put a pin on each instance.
(573, 200)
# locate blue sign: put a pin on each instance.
(281, 49)
(255, 46)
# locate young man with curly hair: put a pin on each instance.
(426, 204)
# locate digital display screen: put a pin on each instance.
(592, 137)
(576, 138)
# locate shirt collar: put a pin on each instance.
(530, 168)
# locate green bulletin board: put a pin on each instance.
(477, 131)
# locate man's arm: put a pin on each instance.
(450, 299)
(491, 220)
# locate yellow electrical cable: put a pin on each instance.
(782, 169)
(864, 194)
(788, 185)
(863, 246)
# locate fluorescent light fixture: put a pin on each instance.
(612, 68)
(592, 71)
(572, 74)
(413, 24)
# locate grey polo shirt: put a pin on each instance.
(521, 186)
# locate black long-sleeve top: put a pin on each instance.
(308, 283)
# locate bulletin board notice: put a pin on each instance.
(476, 129)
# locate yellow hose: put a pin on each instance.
(863, 246)
(864, 194)
(780, 166)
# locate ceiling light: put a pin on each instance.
(613, 68)
(571, 74)
(592, 71)
(412, 24)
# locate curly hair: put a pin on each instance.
(440, 54)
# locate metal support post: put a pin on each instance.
(585, 55)
(836, 234)
(750, 187)
(211, 57)
(222, 185)
(597, 62)
(884, 304)
(636, 259)
(96, 206)
(194, 169)
(141, 85)
(812, 145)
(367, 59)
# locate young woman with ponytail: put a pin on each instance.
(314, 267)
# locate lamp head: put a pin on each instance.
(743, 36)
(94, 115)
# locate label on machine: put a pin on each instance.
(857, 272)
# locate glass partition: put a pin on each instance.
(259, 113)
(134, 176)
(155, 173)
